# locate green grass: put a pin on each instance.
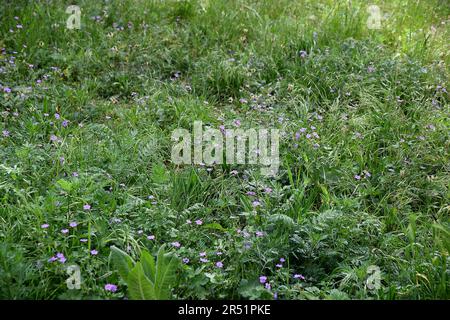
(377, 99)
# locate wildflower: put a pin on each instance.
(57, 116)
(202, 254)
(111, 287)
(5, 133)
(7, 90)
(219, 264)
(242, 100)
(357, 177)
(367, 174)
(282, 260)
(204, 260)
(65, 123)
(262, 279)
(185, 260)
(94, 252)
(303, 54)
(219, 253)
(275, 296)
(61, 257)
(268, 286)
(302, 130)
(256, 203)
(53, 137)
(73, 224)
(19, 26)
(83, 240)
(176, 244)
(61, 160)
(299, 276)
(65, 231)
(45, 226)
(370, 69)
(234, 172)
(87, 207)
(259, 233)
(198, 222)
(251, 193)
(237, 123)
(151, 237)
(52, 259)
(74, 174)
(267, 190)
(297, 135)
(308, 136)
(279, 265)
(188, 221)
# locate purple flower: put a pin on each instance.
(83, 240)
(251, 193)
(57, 116)
(151, 237)
(303, 54)
(219, 253)
(237, 123)
(297, 135)
(259, 234)
(282, 260)
(7, 90)
(357, 177)
(268, 287)
(202, 254)
(5, 133)
(87, 207)
(256, 203)
(219, 264)
(198, 222)
(61, 257)
(370, 69)
(267, 190)
(279, 265)
(234, 172)
(94, 252)
(204, 260)
(53, 137)
(74, 174)
(52, 259)
(111, 287)
(299, 276)
(45, 226)
(185, 260)
(65, 123)
(64, 231)
(262, 279)
(73, 224)
(176, 244)
(61, 160)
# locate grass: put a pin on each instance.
(370, 190)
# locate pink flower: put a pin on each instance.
(94, 252)
(198, 222)
(299, 276)
(87, 207)
(219, 264)
(45, 226)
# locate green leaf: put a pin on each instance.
(215, 226)
(65, 185)
(166, 266)
(148, 265)
(122, 261)
(139, 286)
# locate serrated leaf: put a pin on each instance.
(121, 261)
(139, 286)
(148, 265)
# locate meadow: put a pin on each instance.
(92, 207)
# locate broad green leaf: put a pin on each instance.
(166, 266)
(122, 261)
(148, 265)
(139, 286)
